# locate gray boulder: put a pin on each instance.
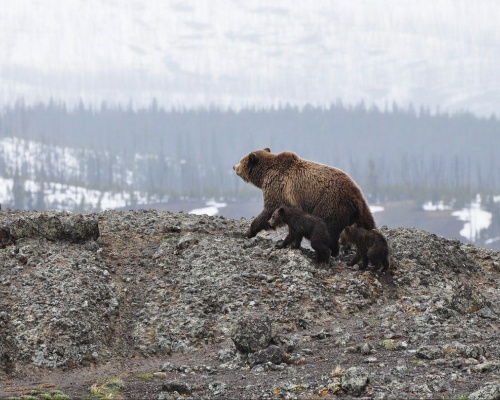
(272, 354)
(491, 391)
(55, 226)
(252, 333)
(355, 380)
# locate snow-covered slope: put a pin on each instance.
(438, 53)
(23, 163)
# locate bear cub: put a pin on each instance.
(371, 246)
(302, 224)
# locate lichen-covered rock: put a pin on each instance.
(429, 352)
(55, 226)
(252, 333)
(490, 391)
(80, 228)
(272, 354)
(59, 312)
(488, 366)
(175, 386)
(186, 241)
(355, 380)
(466, 299)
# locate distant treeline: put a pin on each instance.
(393, 154)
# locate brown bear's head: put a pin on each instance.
(277, 217)
(248, 167)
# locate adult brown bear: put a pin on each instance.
(286, 179)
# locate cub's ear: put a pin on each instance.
(281, 211)
(267, 149)
(253, 158)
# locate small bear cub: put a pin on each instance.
(371, 246)
(301, 224)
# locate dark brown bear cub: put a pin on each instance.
(301, 224)
(371, 246)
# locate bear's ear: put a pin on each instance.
(267, 149)
(253, 158)
(281, 211)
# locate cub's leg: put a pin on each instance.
(322, 251)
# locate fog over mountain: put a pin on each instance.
(439, 54)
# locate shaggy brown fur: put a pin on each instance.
(301, 224)
(317, 189)
(371, 246)
(5, 238)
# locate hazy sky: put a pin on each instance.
(438, 53)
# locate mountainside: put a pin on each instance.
(161, 302)
(234, 53)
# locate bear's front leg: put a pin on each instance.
(261, 222)
(297, 241)
(365, 264)
(288, 239)
(355, 260)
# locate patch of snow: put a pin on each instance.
(6, 190)
(492, 240)
(211, 209)
(57, 196)
(18, 153)
(440, 206)
(475, 219)
(375, 209)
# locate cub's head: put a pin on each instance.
(354, 234)
(346, 235)
(250, 166)
(277, 217)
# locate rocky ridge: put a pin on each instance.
(212, 314)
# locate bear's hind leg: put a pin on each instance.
(322, 251)
(385, 264)
(334, 242)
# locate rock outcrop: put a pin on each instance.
(82, 290)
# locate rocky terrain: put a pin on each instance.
(159, 305)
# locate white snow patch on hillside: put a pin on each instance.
(475, 219)
(211, 209)
(375, 209)
(57, 196)
(439, 206)
(19, 153)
